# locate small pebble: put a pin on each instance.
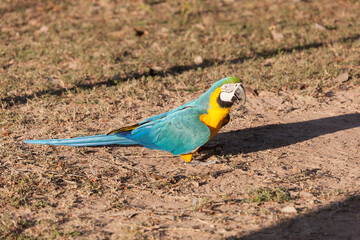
(277, 36)
(198, 60)
(288, 209)
(343, 77)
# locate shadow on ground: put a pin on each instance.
(281, 135)
(277, 135)
(175, 70)
(339, 220)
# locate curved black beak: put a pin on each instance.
(240, 94)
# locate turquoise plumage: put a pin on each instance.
(180, 131)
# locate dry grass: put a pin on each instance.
(70, 68)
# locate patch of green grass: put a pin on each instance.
(12, 228)
(41, 204)
(57, 233)
(260, 195)
(21, 191)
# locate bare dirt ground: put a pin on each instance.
(286, 166)
(305, 148)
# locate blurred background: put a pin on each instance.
(282, 44)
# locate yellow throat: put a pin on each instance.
(216, 116)
(214, 119)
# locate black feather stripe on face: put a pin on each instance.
(224, 104)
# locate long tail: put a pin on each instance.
(97, 140)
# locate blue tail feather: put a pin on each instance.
(97, 140)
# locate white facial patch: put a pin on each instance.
(228, 91)
(226, 97)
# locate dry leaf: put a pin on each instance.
(43, 29)
(303, 86)
(140, 32)
(319, 27)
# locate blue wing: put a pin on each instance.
(162, 115)
(178, 132)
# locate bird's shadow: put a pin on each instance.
(339, 220)
(274, 136)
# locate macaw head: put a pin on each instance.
(231, 91)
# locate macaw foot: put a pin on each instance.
(196, 162)
(189, 161)
(187, 157)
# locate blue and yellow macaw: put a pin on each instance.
(180, 131)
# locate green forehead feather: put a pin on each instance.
(222, 82)
(232, 80)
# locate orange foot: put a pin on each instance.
(187, 157)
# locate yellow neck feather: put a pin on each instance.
(216, 115)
